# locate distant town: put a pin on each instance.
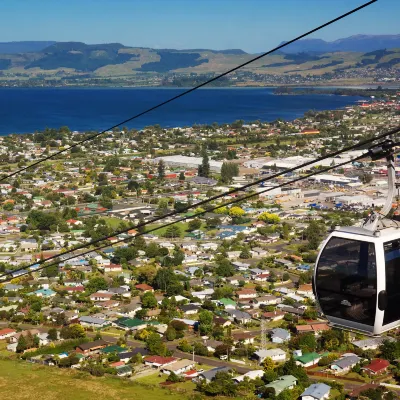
(220, 304)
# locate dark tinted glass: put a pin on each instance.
(392, 261)
(346, 280)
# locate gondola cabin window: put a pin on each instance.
(346, 280)
(392, 263)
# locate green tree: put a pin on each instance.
(268, 364)
(52, 334)
(182, 176)
(236, 211)
(149, 300)
(269, 218)
(22, 344)
(204, 168)
(161, 170)
(314, 234)
(224, 268)
(95, 284)
(245, 253)
(206, 322)
(390, 350)
(155, 345)
(194, 224)
(173, 231)
(170, 333)
(228, 171)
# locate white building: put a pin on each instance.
(188, 162)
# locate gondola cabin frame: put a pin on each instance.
(357, 279)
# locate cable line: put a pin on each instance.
(368, 141)
(354, 10)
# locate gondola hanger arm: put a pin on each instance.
(383, 150)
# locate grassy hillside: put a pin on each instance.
(116, 60)
(23, 381)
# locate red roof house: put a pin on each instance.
(377, 366)
(158, 361)
(6, 333)
(144, 287)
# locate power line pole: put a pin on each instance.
(263, 334)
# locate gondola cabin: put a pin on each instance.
(357, 279)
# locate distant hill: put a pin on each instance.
(80, 56)
(358, 43)
(23, 47)
(109, 60)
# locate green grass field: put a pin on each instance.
(160, 232)
(21, 380)
(112, 222)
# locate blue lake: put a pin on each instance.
(24, 110)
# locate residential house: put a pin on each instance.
(209, 375)
(268, 300)
(282, 383)
(178, 367)
(188, 322)
(377, 366)
(212, 344)
(243, 337)
(132, 324)
(314, 327)
(190, 309)
(203, 294)
(101, 295)
(305, 290)
(292, 310)
(355, 393)
(93, 322)
(371, 343)
(91, 347)
(126, 356)
(280, 335)
(29, 245)
(246, 294)
(316, 391)
(239, 316)
(47, 293)
(159, 361)
(113, 268)
(309, 359)
(240, 266)
(10, 287)
(221, 321)
(144, 287)
(274, 315)
(233, 255)
(123, 370)
(227, 303)
(258, 252)
(258, 373)
(6, 333)
(345, 364)
(121, 291)
(274, 354)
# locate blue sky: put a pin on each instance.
(252, 25)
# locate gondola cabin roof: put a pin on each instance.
(361, 234)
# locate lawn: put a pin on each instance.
(183, 226)
(21, 380)
(155, 380)
(113, 222)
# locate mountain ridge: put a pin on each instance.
(357, 43)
